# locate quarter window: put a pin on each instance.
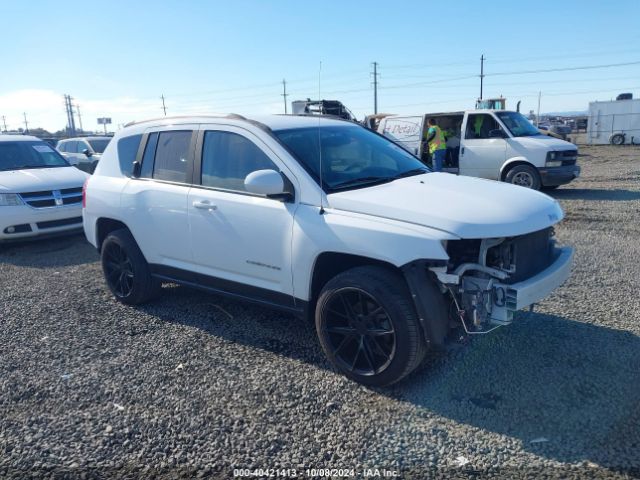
(127, 151)
(227, 158)
(172, 156)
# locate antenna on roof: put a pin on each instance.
(320, 141)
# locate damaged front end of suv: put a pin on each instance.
(486, 281)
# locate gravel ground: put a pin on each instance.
(197, 385)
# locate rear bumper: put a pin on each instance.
(553, 176)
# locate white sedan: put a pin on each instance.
(40, 193)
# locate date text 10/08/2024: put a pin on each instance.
(315, 473)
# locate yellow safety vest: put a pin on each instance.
(438, 142)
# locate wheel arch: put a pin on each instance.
(329, 264)
(104, 226)
(513, 162)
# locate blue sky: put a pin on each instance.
(117, 58)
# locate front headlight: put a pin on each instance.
(555, 163)
(10, 200)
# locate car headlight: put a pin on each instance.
(10, 200)
(551, 156)
(554, 163)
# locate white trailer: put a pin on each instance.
(615, 122)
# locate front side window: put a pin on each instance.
(62, 147)
(227, 158)
(480, 126)
(29, 155)
(352, 156)
(172, 156)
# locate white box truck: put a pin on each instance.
(615, 122)
(494, 144)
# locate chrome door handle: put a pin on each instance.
(204, 205)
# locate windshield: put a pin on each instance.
(352, 156)
(517, 124)
(24, 155)
(99, 145)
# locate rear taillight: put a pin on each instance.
(84, 193)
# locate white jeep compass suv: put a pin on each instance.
(321, 216)
(40, 193)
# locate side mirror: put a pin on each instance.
(87, 152)
(267, 182)
(497, 133)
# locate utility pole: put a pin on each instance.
(375, 87)
(4, 122)
(79, 117)
(481, 74)
(26, 124)
(284, 94)
(70, 120)
(538, 115)
(164, 107)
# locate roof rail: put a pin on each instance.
(233, 116)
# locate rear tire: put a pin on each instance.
(368, 327)
(125, 269)
(524, 176)
(617, 139)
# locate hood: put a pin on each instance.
(464, 206)
(544, 141)
(37, 179)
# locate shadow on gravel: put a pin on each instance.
(568, 390)
(239, 322)
(49, 252)
(595, 194)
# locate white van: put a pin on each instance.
(494, 144)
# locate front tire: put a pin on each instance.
(524, 176)
(368, 327)
(125, 269)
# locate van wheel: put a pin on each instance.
(368, 327)
(617, 139)
(524, 176)
(125, 269)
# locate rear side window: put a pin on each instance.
(62, 147)
(480, 125)
(127, 151)
(227, 158)
(172, 156)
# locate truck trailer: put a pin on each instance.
(615, 122)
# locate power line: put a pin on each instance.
(585, 67)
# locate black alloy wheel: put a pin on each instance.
(368, 327)
(359, 331)
(126, 271)
(118, 270)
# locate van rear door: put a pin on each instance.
(405, 131)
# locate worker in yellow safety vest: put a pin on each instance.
(437, 144)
